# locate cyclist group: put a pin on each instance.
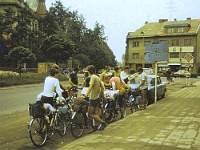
(96, 86)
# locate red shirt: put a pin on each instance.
(117, 81)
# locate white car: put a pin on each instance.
(161, 88)
(181, 73)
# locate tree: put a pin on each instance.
(57, 49)
(20, 55)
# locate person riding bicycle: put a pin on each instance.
(86, 80)
(73, 77)
(105, 76)
(116, 84)
(95, 91)
(124, 74)
(51, 85)
(73, 80)
(142, 86)
(116, 72)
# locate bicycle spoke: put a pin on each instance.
(38, 131)
(78, 125)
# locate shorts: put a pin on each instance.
(47, 100)
(94, 103)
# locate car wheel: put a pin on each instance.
(163, 95)
(150, 97)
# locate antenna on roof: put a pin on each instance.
(171, 8)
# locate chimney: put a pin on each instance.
(163, 20)
(41, 10)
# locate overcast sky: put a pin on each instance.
(122, 16)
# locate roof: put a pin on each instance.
(157, 28)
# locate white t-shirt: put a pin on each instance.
(51, 85)
(143, 77)
(123, 75)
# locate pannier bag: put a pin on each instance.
(63, 109)
(80, 105)
(36, 109)
(111, 94)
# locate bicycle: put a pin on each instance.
(135, 99)
(80, 120)
(40, 127)
(111, 107)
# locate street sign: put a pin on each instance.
(188, 57)
(156, 52)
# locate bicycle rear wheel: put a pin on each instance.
(78, 124)
(61, 124)
(38, 131)
(109, 115)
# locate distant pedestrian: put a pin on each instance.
(168, 74)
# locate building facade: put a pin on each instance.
(183, 39)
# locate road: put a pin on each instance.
(14, 117)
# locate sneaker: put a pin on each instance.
(102, 126)
(95, 128)
(121, 117)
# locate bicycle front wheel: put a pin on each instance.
(78, 124)
(38, 131)
(61, 124)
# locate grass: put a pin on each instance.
(27, 78)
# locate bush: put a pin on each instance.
(11, 78)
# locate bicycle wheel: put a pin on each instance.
(77, 124)
(38, 131)
(131, 103)
(61, 124)
(124, 108)
(109, 115)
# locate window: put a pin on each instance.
(175, 42)
(170, 30)
(135, 44)
(174, 55)
(147, 42)
(135, 55)
(187, 42)
(180, 30)
(163, 40)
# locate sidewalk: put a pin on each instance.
(172, 123)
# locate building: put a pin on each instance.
(183, 39)
(37, 7)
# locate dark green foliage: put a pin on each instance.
(55, 37)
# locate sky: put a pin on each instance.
(122, 16)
